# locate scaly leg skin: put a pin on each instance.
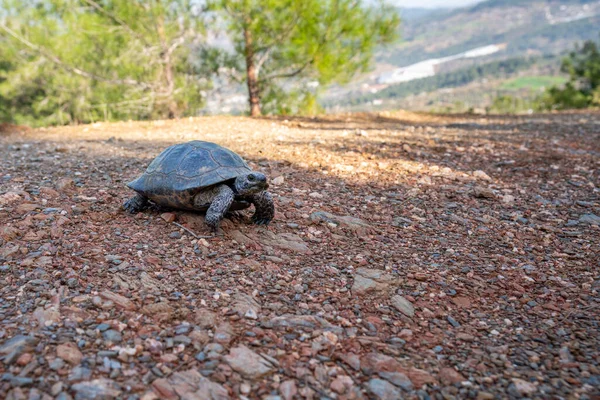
(136, 204)
(264, 208)
(219, 206)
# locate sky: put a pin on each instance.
(433, 3)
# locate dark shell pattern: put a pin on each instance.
(184, 169)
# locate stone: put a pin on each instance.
(120, 301)
(96, 389)
(168, 217)
(397, 378)
(47, 316)
(246, 362)
(524, 388)
(14, 347)
(351, 359)
(341, 384)
(591, 219)
(450, 376)
(288, 389)
(347, 220)
(403, 305)
(189, 385)
(205, 319)
(70, 353)
(285, 241)
(420, 377)
(482, 175)
(65, 184)
(308, 322)
(371, 280)
(483, 192)
(79, 374)
(9, 198)
(112, 336)
(462, 302)
(376, 363)
(383, 390)
(246, 305)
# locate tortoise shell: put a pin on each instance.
(189, 167)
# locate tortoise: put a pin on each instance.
(202, 176)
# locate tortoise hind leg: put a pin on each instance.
(219, 206)
(136, 204)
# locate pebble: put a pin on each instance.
(175, 235)
(383, 390)
(453, 322)
(403, 305)
(96, 389)
(248, 363)
(112, 336)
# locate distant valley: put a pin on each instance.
(478, 48)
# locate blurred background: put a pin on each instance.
(81, 61)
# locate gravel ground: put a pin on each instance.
(411, 256)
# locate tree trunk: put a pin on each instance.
(251, 78)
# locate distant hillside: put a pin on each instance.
(539, 26)
(445, 49)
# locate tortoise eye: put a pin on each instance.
(251, 177)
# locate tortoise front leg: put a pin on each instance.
(219, 206)
(136, 204)
(264, 208)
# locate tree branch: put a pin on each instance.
(75, 70)
(288, 74)
(118, 21)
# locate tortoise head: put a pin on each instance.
(251, 183)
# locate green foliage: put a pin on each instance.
(583, 89)
(533, 82)
(288, 43)
(506, 104)
(88, 60)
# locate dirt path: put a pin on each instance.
(411, 256)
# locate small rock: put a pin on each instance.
(483, 192)
(591, 219)
(79, 374)
(371, 280)
(347, 220)
(482, 175)
(383, 390)
(449, 376)
(245, 305)
(462, 302)
(288, 389)
(524, 388)
(120, 301)
(70, 353)
(112, 336)
(96, 389)
(205, 319)
(278, 180)
(397, 378)
(16, 346)
(341, 384)
(403, 305)
(249, 364)
(168, 217)
(508, 199)
(65, 184)
(175, 235)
